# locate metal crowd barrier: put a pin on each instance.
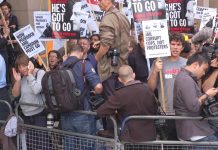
(168, 145)
(36, 138)
(2, 122)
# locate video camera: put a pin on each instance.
(211, 49)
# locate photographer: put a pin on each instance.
(114, 37)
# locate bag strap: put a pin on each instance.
(71, 64)
(86, 86)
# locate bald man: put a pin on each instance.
(135, 98)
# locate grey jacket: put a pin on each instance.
(186, 94)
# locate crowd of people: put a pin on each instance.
(117, 68)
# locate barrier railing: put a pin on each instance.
(58, 139)
(44, 138)
(2, 122)
(168, 145)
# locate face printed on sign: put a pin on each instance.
(190, 13)
(75, 18)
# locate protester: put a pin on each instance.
(126, 104)
(54, 59)
(94, 39)
(28, 86)
(4, 94)
(13, 51)
(114, 34)
(188, 99)
(76, 122)
(3, 49)
(85, 43)
(170, 67)
(137, 60)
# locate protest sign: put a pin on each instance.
(65, 19)
(199, 11)
(83, 23)
(29, 41)
(208, 18)
(97, 12)
(42, 23)
(91, 22)
(181, 15)
(147, 10)
(156, 38)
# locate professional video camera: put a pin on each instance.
(210, 107)
(211, 50)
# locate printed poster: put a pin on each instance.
(181, 15)
(42, 24)
(65, 19)
(148, 9)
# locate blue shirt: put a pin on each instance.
(91, 77)
(2, 72)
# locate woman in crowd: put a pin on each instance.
(54, 59)
(28, 86)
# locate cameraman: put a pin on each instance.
(210, 80)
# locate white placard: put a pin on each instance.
(156, 38)
(208, 17)
(28, 41)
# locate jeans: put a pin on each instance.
(4, 110)
(78, 123)
(210, 138)
(36, 139)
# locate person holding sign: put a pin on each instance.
(114, 34)
(170, 67)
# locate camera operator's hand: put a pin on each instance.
(212, 92)
(214, 63)
(158, 66)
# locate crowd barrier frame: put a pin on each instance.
(115, 143)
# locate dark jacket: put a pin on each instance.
(139, 63)
(133, 99)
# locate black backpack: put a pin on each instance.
(59, 88)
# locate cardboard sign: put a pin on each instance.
(29, 41)
(156, 38)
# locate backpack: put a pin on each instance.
(59, 88)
